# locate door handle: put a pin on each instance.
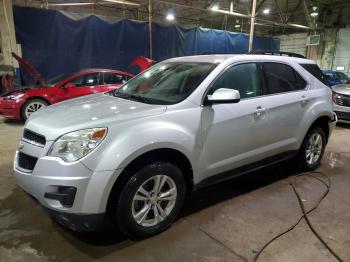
(304, 100)
(260, 111)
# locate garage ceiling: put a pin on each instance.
(286, 16)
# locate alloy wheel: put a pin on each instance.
(314, 149)
(33, 107)
(154, 200)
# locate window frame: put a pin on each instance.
(124, 78)
(83, 75)
(266, 89)
(228, 68)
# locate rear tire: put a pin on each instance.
(312, 149)
(151, 200)
(32, 106)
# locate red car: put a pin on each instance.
(19, 104)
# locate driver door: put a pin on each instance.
(82, 85)
(233, 134)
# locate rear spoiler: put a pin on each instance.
(142, 63)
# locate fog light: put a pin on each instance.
(65, 195)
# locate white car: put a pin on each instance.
(132, 155)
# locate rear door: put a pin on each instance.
(287, 99)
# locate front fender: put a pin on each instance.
(117, 152)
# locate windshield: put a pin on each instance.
(165, 83)
(56, 79)
(341, 75)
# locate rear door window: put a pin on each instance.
(281, 78)
(90, 79)
(113, 78)
(316, 72)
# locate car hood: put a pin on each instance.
(17, 89)
(343, 89)
(98, 110)
(29, 68)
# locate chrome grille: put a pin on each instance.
(26, 162)
(34, 137)
(342, 100)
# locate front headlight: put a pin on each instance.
(14, 96)
(75, 145)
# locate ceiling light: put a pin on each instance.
(314, 14)
(266, 11)
(122, 2)
(170, 17)
(215, 7)
(237, 26)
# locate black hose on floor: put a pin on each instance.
(305, 214)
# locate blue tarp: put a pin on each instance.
(55, 43)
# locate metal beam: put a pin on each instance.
(307, 15)
(294, 10)
(260, 5)
(283, 19)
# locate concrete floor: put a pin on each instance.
(226, 222)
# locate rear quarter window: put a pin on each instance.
(281, 78)
(316, 72)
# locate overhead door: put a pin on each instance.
(342, 52)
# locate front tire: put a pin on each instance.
(151, 200)
(32, 106)
(312, 149)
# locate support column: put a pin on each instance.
(7, 34)
(252, 24)
(150, 7)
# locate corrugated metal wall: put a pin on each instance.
(342, 51)
(295, 43)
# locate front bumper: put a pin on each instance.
(51, 176)
(332, 123)
(10, 109)
(343, 113)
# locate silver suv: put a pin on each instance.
(130, 156)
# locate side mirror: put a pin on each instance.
(223, 95)
(69, 85)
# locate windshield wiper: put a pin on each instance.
(132, 96)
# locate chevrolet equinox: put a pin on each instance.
(130, 155)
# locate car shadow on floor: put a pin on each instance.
(196, 201)
(343, 125)
(11, 122)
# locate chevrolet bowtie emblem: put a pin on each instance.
(20, 145)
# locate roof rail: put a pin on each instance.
(262, 52)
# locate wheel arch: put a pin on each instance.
(32, 98)
(161, 154)
(323, 122)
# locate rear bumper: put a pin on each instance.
(10, 108)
